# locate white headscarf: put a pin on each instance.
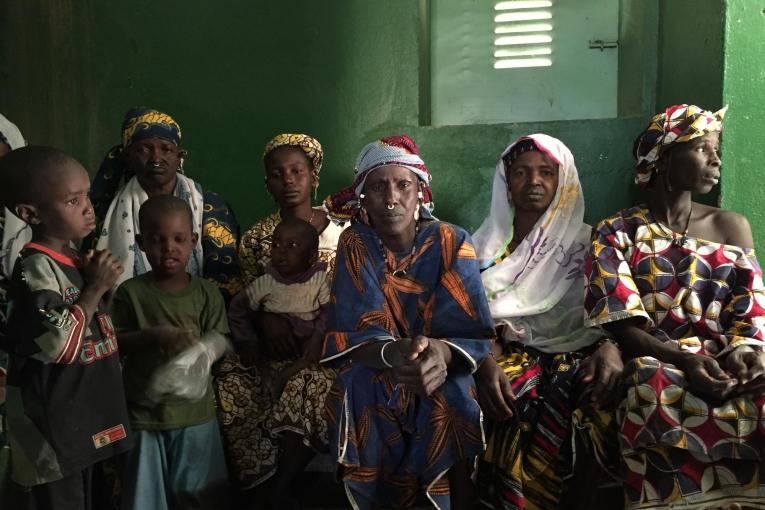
(544, 273)
(16, 233)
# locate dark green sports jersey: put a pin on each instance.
(65, 404)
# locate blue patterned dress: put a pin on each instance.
(391, 444)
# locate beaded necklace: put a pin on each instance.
(400, 272)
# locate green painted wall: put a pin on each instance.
(235, 73)
(690, 52)
(690, 67)
(743, 149)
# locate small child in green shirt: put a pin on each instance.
(178, 455)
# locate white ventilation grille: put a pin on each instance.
(523, 34)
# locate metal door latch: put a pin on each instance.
(599, 44)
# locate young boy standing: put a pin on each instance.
(178, 458)
(65, 403)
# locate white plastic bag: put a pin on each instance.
(186, 375)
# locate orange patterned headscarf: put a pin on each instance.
(398, 150)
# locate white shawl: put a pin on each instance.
(121, 226)
(16, 233)
(538, 291)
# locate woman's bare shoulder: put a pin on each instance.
(734, 227)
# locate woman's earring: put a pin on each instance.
(419, 195)
(362, 196)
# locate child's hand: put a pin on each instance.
(313, 349)
(173, 340)
(101, 269)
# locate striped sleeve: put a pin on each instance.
(56, 330)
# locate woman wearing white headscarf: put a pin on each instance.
(531, 249)
(15, 233)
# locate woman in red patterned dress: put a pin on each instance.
(678, 285)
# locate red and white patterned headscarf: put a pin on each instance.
(398, 150)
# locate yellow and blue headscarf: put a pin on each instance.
(677, 124)
(309, 145)
(142, 123)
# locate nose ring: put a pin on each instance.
(390, 207)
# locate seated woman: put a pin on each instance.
(408, 322)
(150, 162)
(292, 165)
(275, 436)
(15, 234)
(677, 284)
(531, 248)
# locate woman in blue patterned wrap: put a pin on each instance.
(408, 324)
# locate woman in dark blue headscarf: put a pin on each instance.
(149, 161)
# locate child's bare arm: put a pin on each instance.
(241, 320)
(168, 340)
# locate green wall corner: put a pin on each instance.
(743, 147)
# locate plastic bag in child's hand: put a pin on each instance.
(186, 375)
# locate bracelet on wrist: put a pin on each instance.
(382, 354)
(608, 340)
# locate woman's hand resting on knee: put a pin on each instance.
(748, 367)
(706, 378)
(603, 368)
(495, 393)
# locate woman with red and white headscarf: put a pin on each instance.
(407, 326)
